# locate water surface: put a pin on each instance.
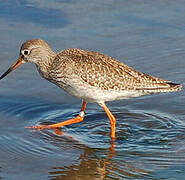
(147, 35)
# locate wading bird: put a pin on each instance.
(90, 76)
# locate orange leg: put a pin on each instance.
(112, 120)
(77, 119)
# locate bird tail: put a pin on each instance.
(174, 86)
(162, 87)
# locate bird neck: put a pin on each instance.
(44, 65)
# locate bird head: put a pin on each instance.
(35, 51)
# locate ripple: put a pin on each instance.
(18, 143)
(146, 141)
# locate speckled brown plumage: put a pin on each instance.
(88, 75)
(107, 73)
(104, 73)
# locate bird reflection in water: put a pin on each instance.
(91, 166)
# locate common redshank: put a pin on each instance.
(90, 76)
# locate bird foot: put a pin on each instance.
(40, 127)
(57, 131)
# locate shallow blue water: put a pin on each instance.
(150, 144)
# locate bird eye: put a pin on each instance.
(25, 52)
